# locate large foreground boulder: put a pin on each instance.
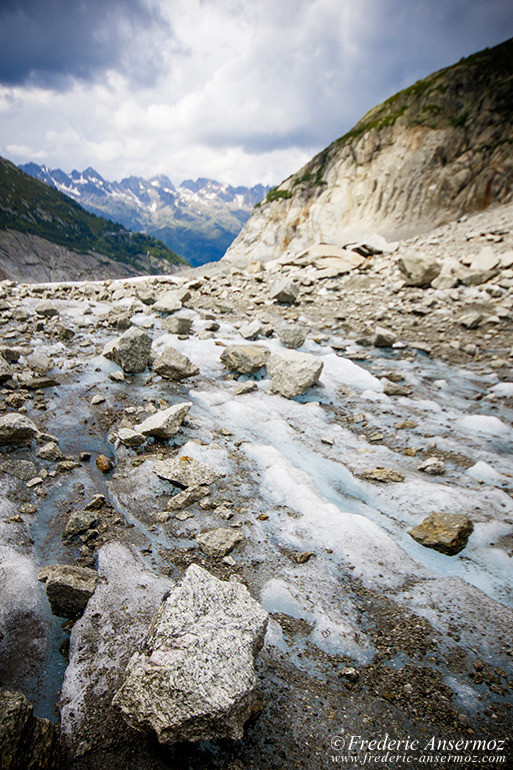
(131, 351)
(292, 373)
(68, 588)
(194, 677)
(26, 743)
(445, 532)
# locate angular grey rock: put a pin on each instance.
(251, 330)
(186, 472)
(11, 355)
(218, 542)
(384, 338)
(145, 293)
(486, 260)
(418, 269)
(173, 365)
(506, 261)
(397, 389)
(246, 387)
(471, 320)
(20, 469)
(177, 324)
(5, 370)
(166, 423)
(168, 303)
(285, 291)
(28, 381)
(130, 438)
(292, 373)
(40, 362)
(50, 451)
(26, 743)
(433, 466)
(187, 497)
(68, 588)
(291, 335)
(46, 309)
(131, 351)
(194, 678)
(80, 521)
(445, 280)
(16, 429)
(476, 277)
(245, 359)
(445, 532)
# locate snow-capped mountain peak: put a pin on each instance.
(197, 218)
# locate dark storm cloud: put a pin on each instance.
(399, 43)
(242, 90)
(51, 42)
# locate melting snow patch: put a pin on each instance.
(484, 472)
(482, 423)
(19, 586)
(341, 371)
(213, 455)
(503, 389)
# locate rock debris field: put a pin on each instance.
(249, 512)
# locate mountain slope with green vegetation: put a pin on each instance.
(30, 206)
(439, 149)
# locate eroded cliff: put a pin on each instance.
(438, 150)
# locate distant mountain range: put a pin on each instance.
(196, 219)
(35, 219)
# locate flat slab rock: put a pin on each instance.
(166, 423)
(186, 472)
(194, 677)
(445, 532)
(219, 542)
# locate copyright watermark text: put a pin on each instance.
(359, 751)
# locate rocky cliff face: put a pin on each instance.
(428, 155)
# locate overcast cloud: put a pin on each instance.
(238, 90)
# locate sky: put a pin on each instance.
(243, 91)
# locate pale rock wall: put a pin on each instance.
(396, 182)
